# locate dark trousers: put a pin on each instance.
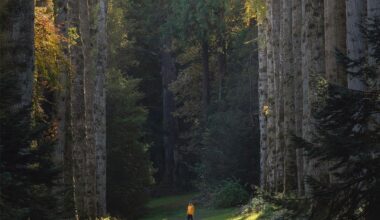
(190, 217)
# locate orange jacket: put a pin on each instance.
(190, 209)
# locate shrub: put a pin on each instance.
(229, 193)
(268, 207)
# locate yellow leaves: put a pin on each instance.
(254, 10)
(47, 41)
(34, 166)
(48, 57)
(249, 12)
(73, 35)
(34, 144)
(266, 110)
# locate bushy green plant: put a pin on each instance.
(268, 207)
(347, 139)
(27, 172)
(230, 193)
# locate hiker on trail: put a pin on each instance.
(190, 211)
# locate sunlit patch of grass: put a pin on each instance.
(216, 214)
(174, 208)
(251, 216)
(168, 207)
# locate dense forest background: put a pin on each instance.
(106, 104)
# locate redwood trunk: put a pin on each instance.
(356, 11)
(168, 72)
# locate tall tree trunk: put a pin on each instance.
(17, 51)
(298, 93)
(313, 66)
(222, 56)
(100, 107)
(356, 43)
(335, 40)
(78, 113)
(271, 100)
(168, 72)
(205, 80)
(63, 150)
(290, 171)
(222, 65)
(89, 74)
(278, 96)
(263, 96)
(373, 14)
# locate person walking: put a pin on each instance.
(190, 211)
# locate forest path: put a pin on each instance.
(174, 208)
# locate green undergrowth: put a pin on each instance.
(174, 208)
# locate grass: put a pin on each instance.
(174, 208)
(251, 216)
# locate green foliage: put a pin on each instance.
(263, 209)
(347, 142)
(227, 151)
(26, 169)
(73, 35)
(134, 42)
(347, 138)
(228, 194)
(274, 206)
(27, 173)
(203, 20)
(129, 171)
(230, 146)
(229, 135)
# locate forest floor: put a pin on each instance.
(174, 208)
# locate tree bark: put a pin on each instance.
(286, 56)
(313, 66)
(278, 96)
(263, 95)
(356, 43)
(271, 101)
(222, 57)
(89, 75)
(205, 80)
(63, 150)
(373, 14)
(170, 127)
(17, 50)
(335, 40)
(78, 113)
(298, 93)
(222, 65)
(100, 107)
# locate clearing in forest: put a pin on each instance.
(174, 208)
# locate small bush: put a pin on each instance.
(228, 194)
(270, 207)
